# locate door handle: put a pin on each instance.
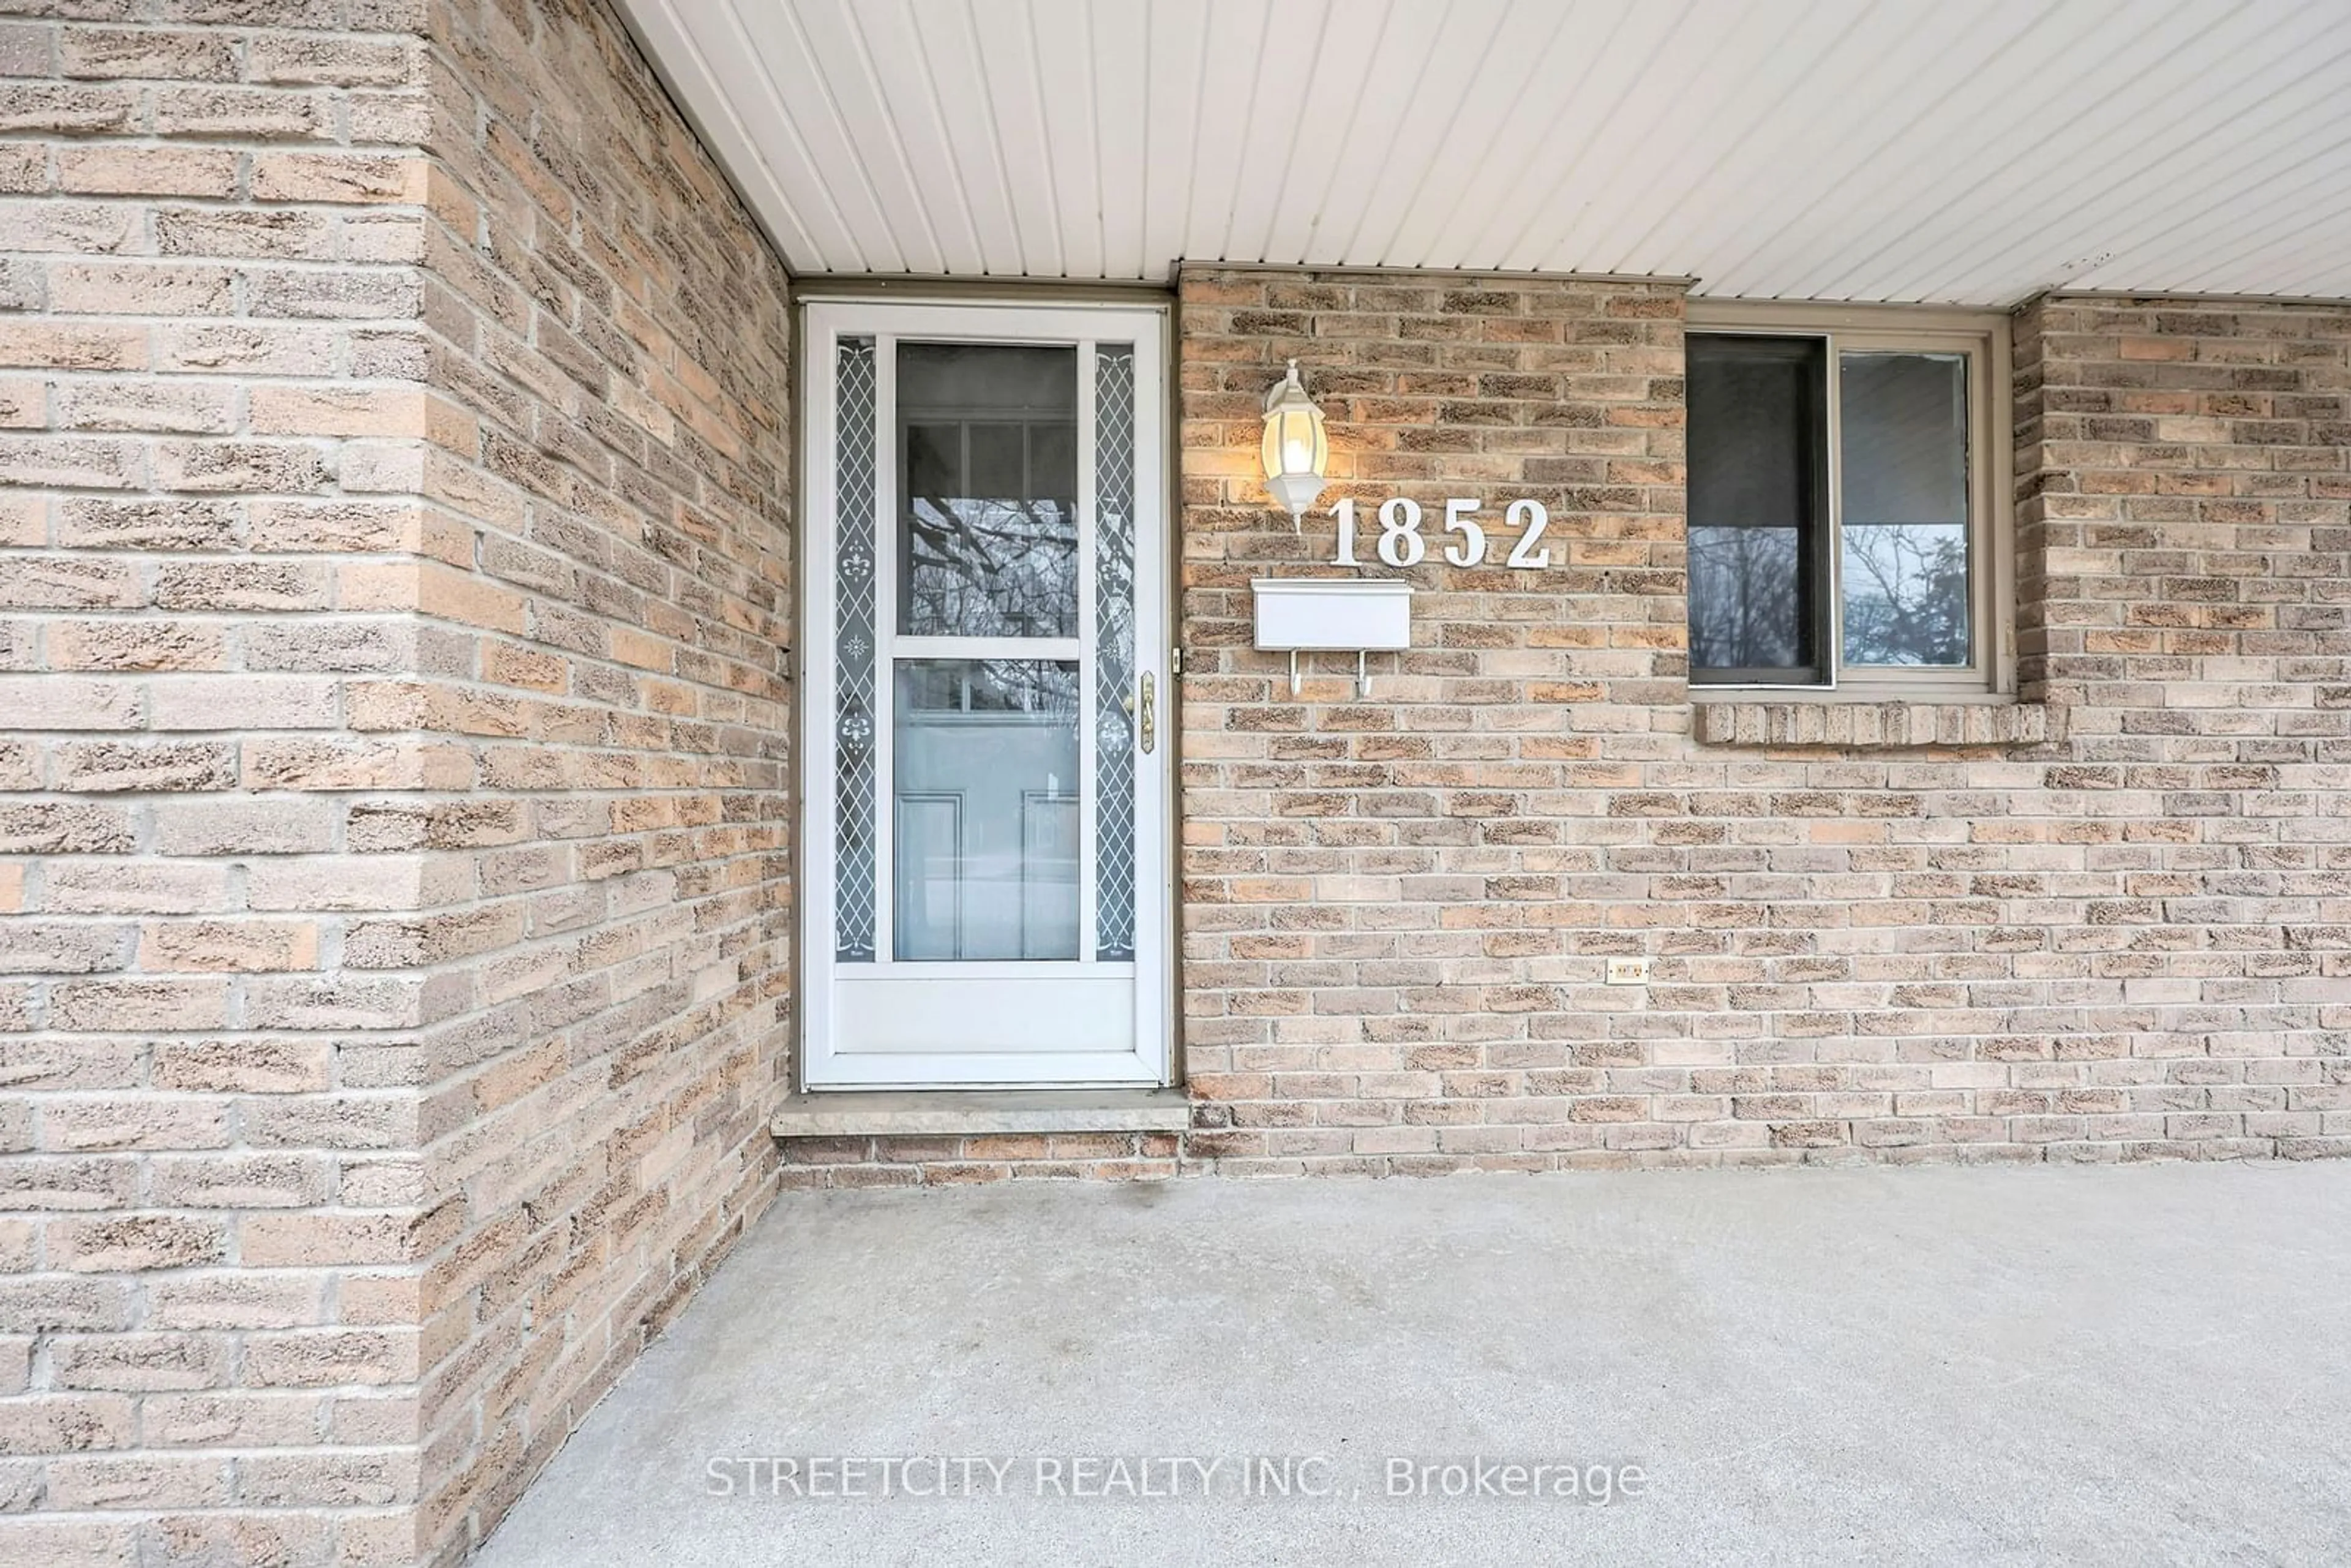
(1150, 715)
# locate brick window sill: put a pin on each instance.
(1862, 724)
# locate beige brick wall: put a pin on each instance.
(212, 383)
(606, 648)
(1395, 911)
(2135, 942)
(392, 528)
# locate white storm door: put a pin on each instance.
(985, 879)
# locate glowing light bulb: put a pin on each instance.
(1295, 451)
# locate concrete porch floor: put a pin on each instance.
(1851, 1365)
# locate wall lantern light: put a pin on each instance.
(1295, 450)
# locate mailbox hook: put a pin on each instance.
(1362, 675)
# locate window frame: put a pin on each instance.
(1982, 337)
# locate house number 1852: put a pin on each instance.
(1402, 543)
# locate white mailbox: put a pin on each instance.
(1337, 615)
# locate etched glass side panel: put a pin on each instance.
(1114, 685)
(853, 653)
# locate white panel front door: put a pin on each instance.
(984, 884)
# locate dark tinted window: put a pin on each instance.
(1758, 461)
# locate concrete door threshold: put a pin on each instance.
(885, 1113)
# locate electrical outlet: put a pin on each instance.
(1628, 971)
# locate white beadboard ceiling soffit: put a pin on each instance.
(1963, 151)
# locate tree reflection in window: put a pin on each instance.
(1906, 593)
(1047, 690)
(989, 539)
(1905, 569)
(1749, 608)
